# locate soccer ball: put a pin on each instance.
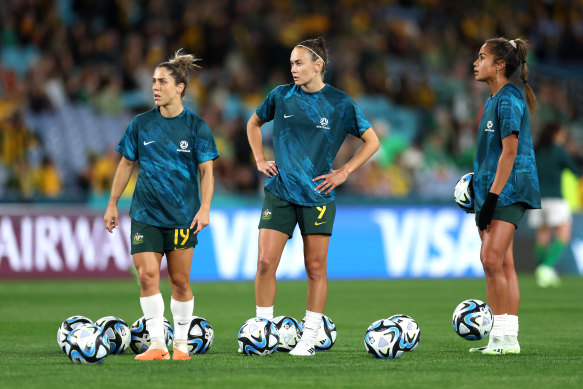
(117, 332)
(140, 337)
(258, 336)
(411, 331)
(289, 330)
(383, 339)
(87, 344)
(472, 319)
(464, 193)
(200, 335)
(67, 326)
(326, 336)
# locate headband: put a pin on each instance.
(316, 54)
(513, 43)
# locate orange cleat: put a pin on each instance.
(178, 355)
(153, 354)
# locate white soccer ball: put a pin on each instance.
(411, 331)
(472, 319)
(87, 345)
(117, 332)
(383, 339)
(258, 336)
(326, 336)
(289, 330)
(67, 326)
(200, 335)
(140, 337)
(464, 193)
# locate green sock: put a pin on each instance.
(555, 252)
(540, 252)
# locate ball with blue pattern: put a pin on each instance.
(383, 339)
(472, 319)
(463, 193)
(326, 337)
(258, 336)
(117, 332)
(87, 344)
(411, 331)
(67, 326)
(140, 337)
(289, 332)
(200, 335)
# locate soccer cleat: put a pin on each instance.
(511, 349)
(547, 277)
(303, 349)
(178, 355)
(487, 351)
(153, 354)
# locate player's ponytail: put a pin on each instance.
(317, 49)
(513, 53)
(180, 67)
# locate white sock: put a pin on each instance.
(153, 308)
(498, 331)
(182, 315)
(511, 332)
(265, 312)
(312, 323)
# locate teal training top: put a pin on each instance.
(505, 114)
(308, 130)
(168, 151)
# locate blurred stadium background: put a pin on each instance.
(74, 73)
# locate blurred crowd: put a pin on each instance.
(74, 73)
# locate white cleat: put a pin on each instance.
(303, 349)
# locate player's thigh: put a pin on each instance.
(147, 264)
(316, 249)
(277, 214)
(179, 264)
(271, 245)
(496, 241)
(317, 220)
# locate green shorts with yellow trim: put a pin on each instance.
(282, 216)
(512, 213)
(147, 238)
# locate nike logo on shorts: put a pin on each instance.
(317, 224)
(287, 116)
(147, 143)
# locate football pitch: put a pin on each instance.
(551, 321)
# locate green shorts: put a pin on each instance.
(147, 238)
(281, 215)
(512, 213)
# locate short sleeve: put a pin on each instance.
(128, 145)
(355, 122)
(510, 113)
(266, 110)
(206, 148)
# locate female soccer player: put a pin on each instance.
(170, 143)
(311, 121)
(555, 216)
(505, 182)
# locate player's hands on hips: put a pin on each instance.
(487, 211)
(269, 168)
(201, 219)
(330, 181)
(111, 218)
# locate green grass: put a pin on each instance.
(550, 336)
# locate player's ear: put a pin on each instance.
(180, 88)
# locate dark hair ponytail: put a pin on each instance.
(180, 67)
(513, 53)
(317, 49)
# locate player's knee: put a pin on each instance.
(181, 288)
(265, 265)
(315, 270)
(491, 262)
(147, 276)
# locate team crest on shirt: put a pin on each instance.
(183, 147)
(489, 126)
(138, 238)
(266, 215)
(323, 124)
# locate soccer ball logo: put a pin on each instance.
(472, 319)
(258, 336)
(87, 345)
